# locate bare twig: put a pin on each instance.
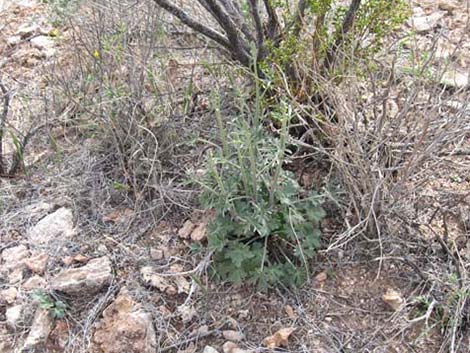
(3, 121)
(234, 10)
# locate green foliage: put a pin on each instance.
(56, 308)
(283, 53)
(266, 225)
(381, 17)
(319, 6)
(378, 18)
(19, 148)
(373, 22)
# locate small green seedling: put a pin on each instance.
(56, 308)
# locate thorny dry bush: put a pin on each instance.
(18, 127)
(394, 133)
(129, 84)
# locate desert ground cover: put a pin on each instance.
(120, 129)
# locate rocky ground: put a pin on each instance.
(73, 279)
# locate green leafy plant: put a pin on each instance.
(266, 226)
(56, 308)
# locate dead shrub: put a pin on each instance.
(126, 90)
(395, 131)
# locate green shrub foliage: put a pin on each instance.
(266, 226)
(283, 33)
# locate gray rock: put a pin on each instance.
(40, 330)
(157, 254)
(45, 44)
(14, 316)
(209, 349)
(13, 40)
(424, 24)
(231, 347)
(35, 282)
(455, 79)
(38, 210)
(8, 295)
(56, 226)
(14, 257)
(86, 279)
(26, 30)
(448, 5)
(232, 335)
(37, 263)
(125, 327)
(26, 3)
(16, 276)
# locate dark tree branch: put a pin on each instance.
(236, 14)
(348, 22)
(194, 24)
(233, 11)
(350, 16)
(241, 21)
(259, 29)
(240, 48)
(206, 7)
(274, 28)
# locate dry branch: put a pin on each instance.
(239, 48)
(273, 26)
(3, 121)
(192, 23)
